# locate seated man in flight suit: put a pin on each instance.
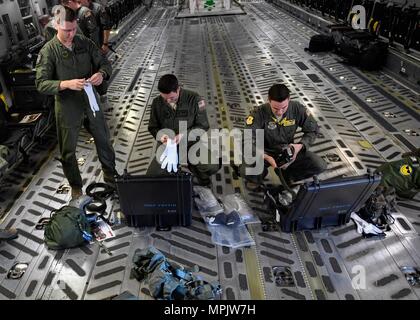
(280, 118)
(173, 105)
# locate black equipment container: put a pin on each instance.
(160, 201)
(327, 203)
(320, 43)
(359, 48)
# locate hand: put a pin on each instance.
(297, 147)
(164, 139)
(270, 160)
(178, 138)
(96, 79)
(75, 84)
(104, 48)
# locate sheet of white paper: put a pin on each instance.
(91, 96)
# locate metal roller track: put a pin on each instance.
(231, 61)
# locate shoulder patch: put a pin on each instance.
(250, 120)
(406, 170)
(88, 13)
(201, 104)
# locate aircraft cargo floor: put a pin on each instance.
(231, 61)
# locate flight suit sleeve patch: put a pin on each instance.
(201, 104)
(406, 170)
(250, 120)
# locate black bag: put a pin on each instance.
(374, 56)
(321, 42)
(361, 49)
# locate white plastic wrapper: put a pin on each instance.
(238, 203)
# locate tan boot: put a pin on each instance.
(8, 234)
(76, 192)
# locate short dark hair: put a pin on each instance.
(278, 92)
(168, 83)
(69, 13)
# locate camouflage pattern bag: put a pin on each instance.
(170, 281)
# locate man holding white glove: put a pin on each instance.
(173, 106)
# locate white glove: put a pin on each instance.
(169, 157)
(363, 226)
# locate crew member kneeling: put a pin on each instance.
(174, 107)
(280, 118)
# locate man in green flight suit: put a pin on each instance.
(103, 21)
(173, 105)
(280, 118)
(69, 66)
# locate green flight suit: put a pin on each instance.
(87, 23)
(403, 175)
(279, 133)
(190, 108)
(103, 20)
(56, 63)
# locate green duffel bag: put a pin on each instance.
(67, 228)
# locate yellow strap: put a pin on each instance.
(3, 98)
(375, 26)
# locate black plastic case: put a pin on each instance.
(327, 203)
(160, 201)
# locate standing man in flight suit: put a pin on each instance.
(103, 21)
(86, 20)
(280, 118)
(104, 24)
(66, 65)
(175, 104)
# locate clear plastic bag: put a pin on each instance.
(206, 202)
(228, 230)
(234, 237)
(226, 226)
(237, 202)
